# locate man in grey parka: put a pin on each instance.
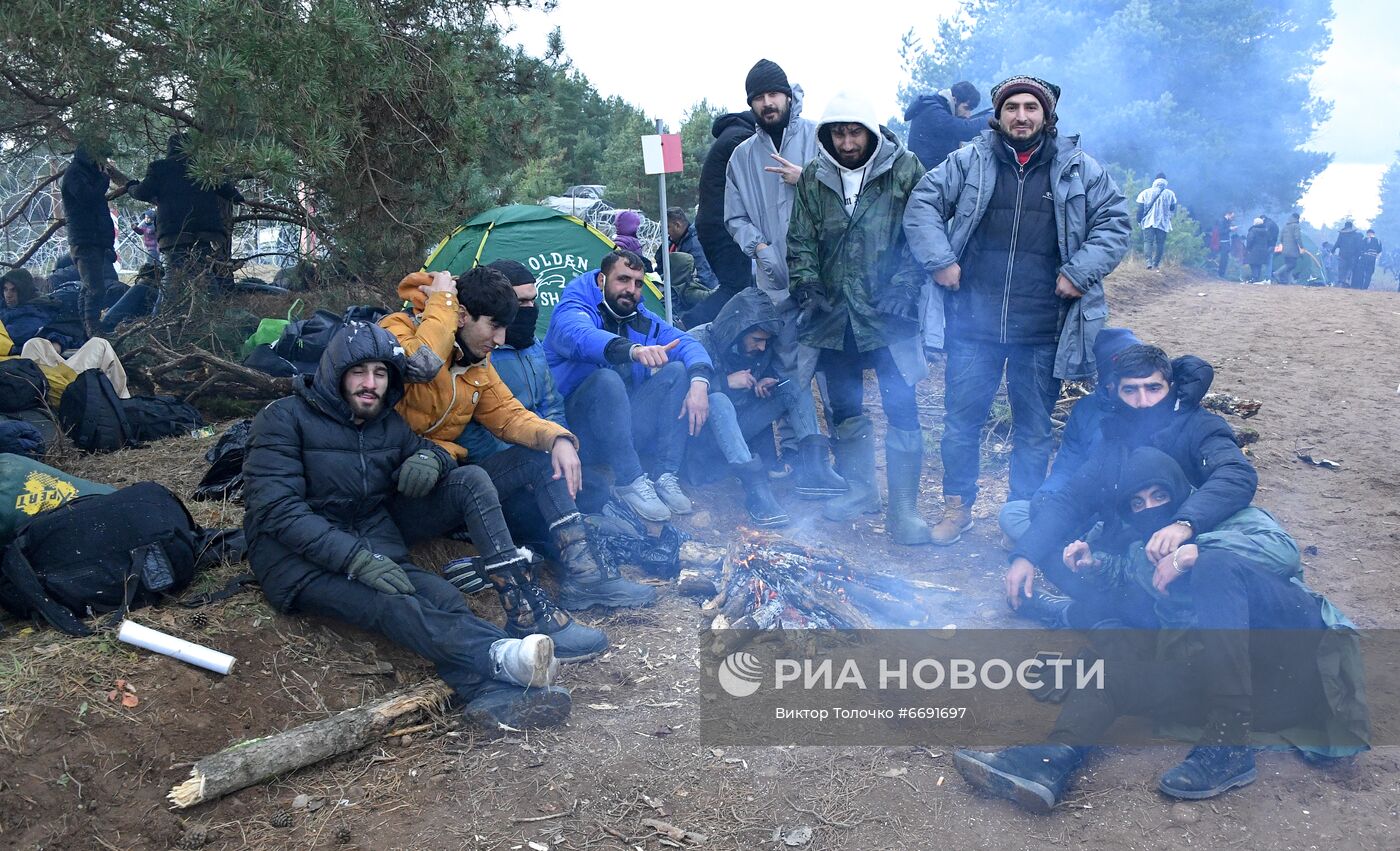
(1018, 228)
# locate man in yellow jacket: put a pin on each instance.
(447, 339)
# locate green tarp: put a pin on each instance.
(555, 246)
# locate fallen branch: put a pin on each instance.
(256, 760)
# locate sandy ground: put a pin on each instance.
(80, 773)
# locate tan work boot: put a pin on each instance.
(957, 518)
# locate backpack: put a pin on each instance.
(269, 330)
(155, 417)
(91, 414)
(305, 340)
(22, 386)
(103, 553)
(18, 437)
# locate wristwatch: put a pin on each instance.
(1184, 522)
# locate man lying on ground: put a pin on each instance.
(743, 343)
(324, 468)
(1158, 403)
(448, 340)
(631, 383)
(1300, 679)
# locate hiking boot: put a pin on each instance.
(642, 498)
(855, 462)
(904, 464)
(1048, 609)
(588, 580)
(1209, 771)
(815, 478)
(497, 705)
(763, 507)
(529, 611)
(957, 518)
(668, 487)
(527, 661)
(1033, 776)
(1221, 761)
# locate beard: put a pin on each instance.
(364, 408)
(774, 119)
(1020, 145)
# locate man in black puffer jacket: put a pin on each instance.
(322, 470)
(731, 265)
(1158, 404)
(939, 123)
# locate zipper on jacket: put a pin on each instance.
(364, 468)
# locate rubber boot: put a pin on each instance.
(588, 580)
(815, 478)
(957, 518)
(764, 510)
(529, 611)
(855, 462)
(1220, 762)
(904, 464)
(1033, 776)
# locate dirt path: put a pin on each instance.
(80, 774)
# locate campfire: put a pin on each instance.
(763, 581)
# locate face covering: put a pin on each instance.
(1149, 520)
(520, 333)
(1146, 421)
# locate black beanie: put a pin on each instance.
(766, 76)
(514, 271)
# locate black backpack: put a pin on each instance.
(91, 414)
(100, 553)
(155, 417)
(305, 340)
(22, 386)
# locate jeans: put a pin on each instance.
(611, 421)
(1156, 245)
(95, 269)
(1015, 518)
(734, 424)
(845, 383)
(1365, 268)
(971, 378)
(138, 301)
(434, 622)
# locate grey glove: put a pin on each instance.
(418, 475)
(897, 303)
(379, 573)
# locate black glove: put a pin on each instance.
(379, 573)
(418, 475)
(897, 303)
(812, 303)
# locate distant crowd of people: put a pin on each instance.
(1273, 254)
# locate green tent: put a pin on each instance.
(555, 246)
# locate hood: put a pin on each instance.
(682, 269)
(1108, 343)
(409, 289)
(848, 107)
(926, 103)
(627, 223)
(733, 121)
(23, 281)
(1191, 379)
(750, 308)
(795, 111)
(353, 344)
(1147, 466)
(1159, 183)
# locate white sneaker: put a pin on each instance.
(668, 487)
(642, 497)
(526, 662)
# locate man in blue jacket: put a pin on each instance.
(939, 123)
(629, 381)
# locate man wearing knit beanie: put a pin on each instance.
(758, 198)
(1018, 229)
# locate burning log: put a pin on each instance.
(767, 582)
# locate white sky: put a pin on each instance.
(666, 55)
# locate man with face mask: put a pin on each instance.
(448, 339)
(1237, 576)
(1018, 229)
(1157, 404)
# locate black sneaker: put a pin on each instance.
(530, 611)
(499, 705)
(1209, 771)
(1033, 776)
